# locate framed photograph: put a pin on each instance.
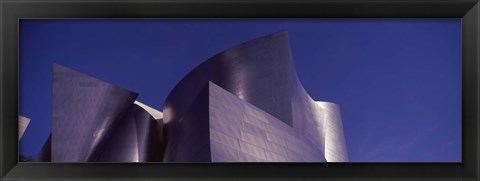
(239, 90)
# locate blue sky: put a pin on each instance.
(397, 81)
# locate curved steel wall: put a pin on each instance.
(335, 147)
(136, 139)
(187, 136)
(244, 104)
(96, 121)
(84, 113)
(259, 72)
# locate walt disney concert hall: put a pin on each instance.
(245, 104)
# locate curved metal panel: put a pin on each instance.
(84, 112)
(134, 140)
(257, 71)
(155, 113)
(260, 73)
(244, 104)
(148, 135)
(306, 116)
(335, 147)
(187, 137)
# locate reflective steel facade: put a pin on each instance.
(335, 148)
(241, 132)
(258, 110)
(137, 138)
(95, 121)
(245, 104)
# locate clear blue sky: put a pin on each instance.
(397, 81)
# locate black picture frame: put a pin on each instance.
(467, 10)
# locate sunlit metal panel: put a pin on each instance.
(22, 125)
(335, 147)
(241, 132)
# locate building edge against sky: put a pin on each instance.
(261, 73)
(244, 104)
(22, 125)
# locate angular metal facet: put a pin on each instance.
(22, 125)
(95, 121)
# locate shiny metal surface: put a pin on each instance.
(258, 109)
(257, 71)
(156, 114)
(335, 147)
(187, 137)
(241, 132)
(84, 112)
(320, 122)
(22, 125)
(96, 121)
(245, 104)
(134, 140)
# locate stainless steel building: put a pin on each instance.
(257, 110)
(95, 121)
(245, 104)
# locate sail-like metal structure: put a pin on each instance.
(257, 110)
(93, 120)
(245, 104)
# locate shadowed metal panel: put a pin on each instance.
(148, 135)
(45, 154)
(85, 110)
(134, 140)
(188, 139)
